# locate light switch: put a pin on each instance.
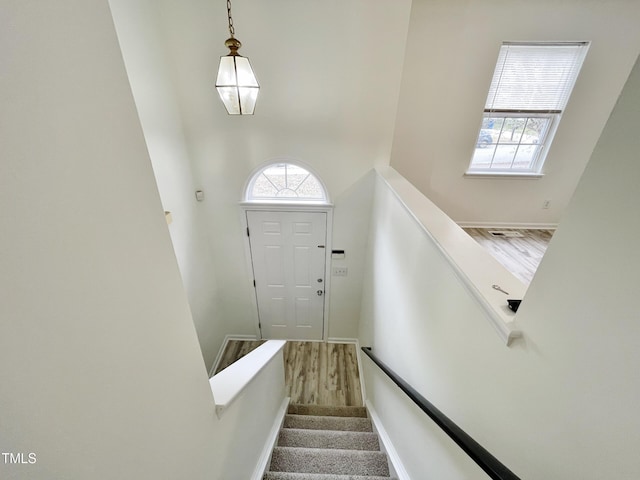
(340, 271)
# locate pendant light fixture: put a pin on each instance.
(236, 83)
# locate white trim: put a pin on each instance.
(251, 291)
(267, 451)
(327, 272)
(477, 272)
(290, 206)
(227, 385)
(504, 175)
(500, 225)
(386, 445)
(303, 340)
(361, 373)
(535, 171)
(224, 345)
(342, 340)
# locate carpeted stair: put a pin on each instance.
(327, 443)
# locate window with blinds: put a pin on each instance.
(530, 88)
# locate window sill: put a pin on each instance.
(523, 175)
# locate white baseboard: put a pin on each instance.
(341, 340)
(394, 460)
(361, 372)
(265, 456)
(224, 345)
(497, 225)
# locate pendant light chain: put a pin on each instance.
(232, 30)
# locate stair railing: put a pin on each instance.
(490, 464)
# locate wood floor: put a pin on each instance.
(320, 373)
(316, 373)
(235, 350)
(520, 255)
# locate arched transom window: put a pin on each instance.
(285, 182)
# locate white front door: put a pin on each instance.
(288, 256)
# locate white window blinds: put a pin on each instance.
(535, 77)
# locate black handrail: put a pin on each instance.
(490, 464)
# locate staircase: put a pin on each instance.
(327, 443)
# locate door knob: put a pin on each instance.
(319, 292)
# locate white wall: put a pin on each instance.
(582, 323)
(326, 100)
(137, 25)
(420, 319)
(562, 402)
(350, 233)
(451, 52)
(244, 426)
(102, 375)
(426, 451)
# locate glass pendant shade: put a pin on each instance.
(237, 85)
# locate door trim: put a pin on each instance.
(289, 207)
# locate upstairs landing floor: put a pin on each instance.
(520, 255)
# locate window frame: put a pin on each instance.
(249, 198)
(545, 140)
(537, 162)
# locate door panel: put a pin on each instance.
(277, 309)
(302, 266)
(288, 258)
(303, 317)
(274, 266)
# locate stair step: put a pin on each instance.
(319, 476)
(318, 460)
(315, 422)
(295, 437)
(327, 411)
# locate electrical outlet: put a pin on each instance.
(546, 204)
(340, 271)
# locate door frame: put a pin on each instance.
(290, 207)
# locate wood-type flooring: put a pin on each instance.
(520, 255)
(319, 373)
(316, 373)
(235, 350)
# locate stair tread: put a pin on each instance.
(320, 476)
(335, 461)
(339, 439)
(317, 422)
(327, 410)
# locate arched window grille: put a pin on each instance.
(285, 182)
